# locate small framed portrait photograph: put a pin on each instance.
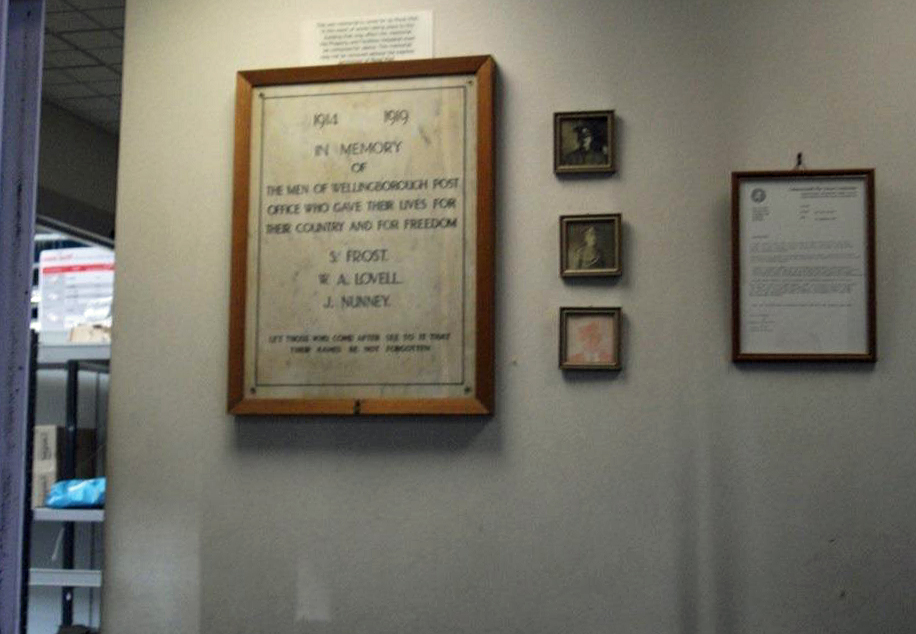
(583, 142)
(590, 246)
(590, 338)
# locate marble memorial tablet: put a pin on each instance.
(363, 234)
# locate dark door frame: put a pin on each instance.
(21, 42)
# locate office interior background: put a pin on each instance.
(684, 494)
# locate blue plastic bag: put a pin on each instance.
(68, 494)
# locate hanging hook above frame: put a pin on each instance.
(799, 162)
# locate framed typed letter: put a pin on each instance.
(803, 266)
(590, 246)
(363, 236)
(590, 338)
(583, 142)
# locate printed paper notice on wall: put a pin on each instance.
(380, 38)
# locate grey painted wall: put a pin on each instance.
(77, 159)
(684, 495)
(77, 171)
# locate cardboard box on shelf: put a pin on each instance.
(43, 478)
(48, 458)
(90, 333)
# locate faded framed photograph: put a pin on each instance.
(583, 142)
(590, 245)
(590, 338)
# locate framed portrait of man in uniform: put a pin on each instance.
(590, 245)
(590, 338)
(583, 142)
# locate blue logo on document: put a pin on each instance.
(758, 195)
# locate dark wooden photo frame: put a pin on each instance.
(417, 368)
(590, 245)
(590, 338)
(803, 265)
(583, 142)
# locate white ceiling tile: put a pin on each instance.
(108, 88)
(51, 77)
(85, 37)
(94, 73)
(108, 17)
(92, 39)
(96, 113)
(53, 43)
(95, 4)
(56, 6)
(93, 103)
(68, 21)
(58, 59)
(110, 56)
(67, 91)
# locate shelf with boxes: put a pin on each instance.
(70, 384)
(50, 460)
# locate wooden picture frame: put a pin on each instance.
(583, 142)
(803, 265)
(362, 277)
(590, 338)
(590, 245)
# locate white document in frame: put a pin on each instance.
(803, 266)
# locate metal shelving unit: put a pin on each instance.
(63, 578)
(68, 515)
(61, 353)
(74, 359)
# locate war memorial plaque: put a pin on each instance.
(362, 259)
